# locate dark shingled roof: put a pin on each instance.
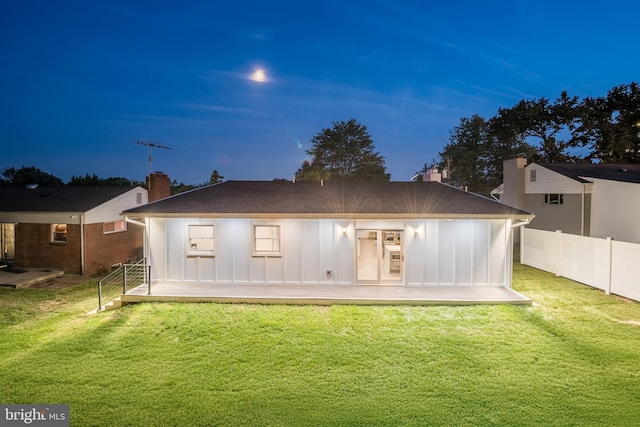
(610, 171)
(56, 199)
(331, 200)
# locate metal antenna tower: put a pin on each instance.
(150, 145)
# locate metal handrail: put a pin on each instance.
(129, 274)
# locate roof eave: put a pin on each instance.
(518, 216)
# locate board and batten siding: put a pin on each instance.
(313, 251)
(615, 209)
(316, 251)
(459, 252)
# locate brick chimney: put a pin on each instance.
(158, 186)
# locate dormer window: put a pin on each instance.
(532, 175)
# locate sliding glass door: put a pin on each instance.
(379, 256)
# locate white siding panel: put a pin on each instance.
(481, 252)
(258, 270)
(446, 254)
(548, 181)
(430, 261)
(190, 269)
(295, 251)
(344, 253)
(415, 250)
(275, 270)
(156, 241)
(225, 243)
(110, 210)
(500, 230)
(242, 233)
(206, 269)
(327, 230)
(615, 209)
(464, 235)
(311, 266)
(176, 230)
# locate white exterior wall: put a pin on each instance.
(315, 251)
(615, 209)
(459, 252)
(548, 181)
(110, 210)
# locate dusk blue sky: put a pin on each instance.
(82, 80)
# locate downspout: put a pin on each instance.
(133, 221)
(82, 245)
(523, 222)
(582, 210)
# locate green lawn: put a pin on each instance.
(572, 359)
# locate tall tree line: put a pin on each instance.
(567, 129)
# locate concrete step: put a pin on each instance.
(113, 305)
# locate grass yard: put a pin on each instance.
(573, 359)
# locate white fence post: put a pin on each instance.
(559, 257)
(522, 254)
(609, 264)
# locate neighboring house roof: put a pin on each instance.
(251, 199)
(609, 171)
(15, 198)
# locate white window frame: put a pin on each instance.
(56, 233)
(559, 199)
(203, 235)
(262, 241)
(118, 227)
(532, 175)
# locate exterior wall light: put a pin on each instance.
(344, 231)
(415, 232)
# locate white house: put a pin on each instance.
(331, 233)
(598, 200)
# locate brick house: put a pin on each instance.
(74, 229)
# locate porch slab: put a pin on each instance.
(325, 294)
(24, 277)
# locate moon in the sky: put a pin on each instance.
(259, 76)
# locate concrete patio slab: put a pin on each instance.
(325, 294)
(15, 277)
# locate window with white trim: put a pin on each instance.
(554, 199)
(532, 175)
(201, 240)
(266, 240)
(58, 233)
(114, 227)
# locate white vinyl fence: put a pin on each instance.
(611, 266)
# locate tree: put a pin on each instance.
(476, 151)
(344, 152)
(180, 187)
(551, 124)
(93, 180)
(611, 125)
(465, 154)
(215, 177)
(30, 175)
